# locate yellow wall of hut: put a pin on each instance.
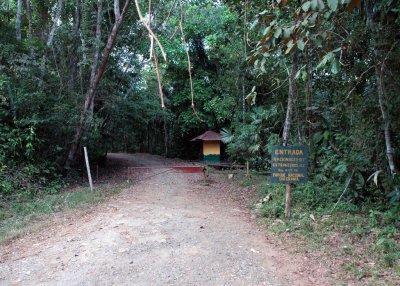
(211, 148)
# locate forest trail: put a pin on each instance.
(168, 228)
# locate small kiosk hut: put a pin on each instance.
(211, 146)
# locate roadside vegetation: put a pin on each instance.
(360, 241)
(21, 214)
(148, 76)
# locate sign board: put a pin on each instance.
(289, 164)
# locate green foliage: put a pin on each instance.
(276, 207)
(240, 54)
(336, 112)
(254, 138)
(16, 216)
(373, 229)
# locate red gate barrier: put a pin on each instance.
(185, 169)
(190, 169)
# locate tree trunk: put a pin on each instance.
(148, 137)
(75, 44)
(29, 16)
(18, 20)
(95, 81)
(165, 137)
(97, 50)
(379, 70)
(243, 100)
(50, 40)
(286, 130)
(245, 57)
(385, 118)
(309, 99)
(309, 116)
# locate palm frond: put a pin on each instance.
(227, 135)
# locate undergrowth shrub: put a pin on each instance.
(276, 206)
(317, 212)
(28, 180)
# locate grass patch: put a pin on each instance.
(20, 213)
(364, 239)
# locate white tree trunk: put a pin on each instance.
(50, 39)
(18, 20)
(29, 16)
(385, 119)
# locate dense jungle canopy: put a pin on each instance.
(148, 76)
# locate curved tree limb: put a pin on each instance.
(50, 39)
(150, 31)
(189, 63)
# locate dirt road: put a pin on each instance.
(167, 229)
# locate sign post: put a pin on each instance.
(289, 165)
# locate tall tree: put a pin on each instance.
(29, 16)
(18, 20)
(380, 57)
(96, 55)
(292, 98)
(95, 81)
(50, 38)
(75, 45)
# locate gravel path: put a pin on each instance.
(167, 229)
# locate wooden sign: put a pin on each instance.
(289, 164)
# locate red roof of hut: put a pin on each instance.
(208, 136)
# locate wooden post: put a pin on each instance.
(288, 200)
(205, 174)
(248, 169)
(88, 169)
